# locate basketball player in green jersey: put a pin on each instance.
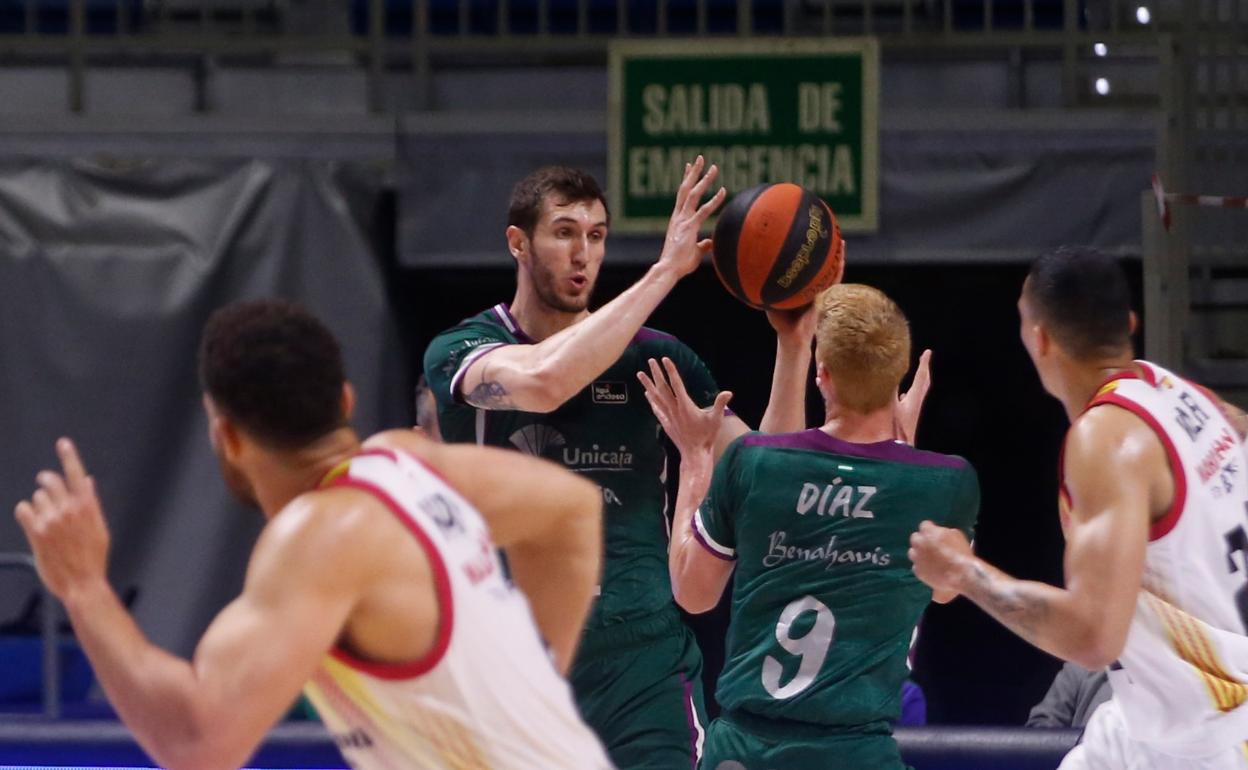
(545, 376)
(817, 525)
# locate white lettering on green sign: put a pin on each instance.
(700, 109)
(826, 169)
(819, 108)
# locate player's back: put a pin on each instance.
(824, 601)
(487, 695)
(1182, 679)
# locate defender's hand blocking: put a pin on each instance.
(65, 526)
(939, 556)
(691, 429)
(910, 403)
(682, 249)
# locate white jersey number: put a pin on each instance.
(812, 647)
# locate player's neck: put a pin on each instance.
(539, 320)
(282, 476)
(1079, 383)
(858, 428)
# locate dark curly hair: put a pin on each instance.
(568, 185)
(274, 369)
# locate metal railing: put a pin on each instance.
(1196, 272)
(412, 36)
(48, 616)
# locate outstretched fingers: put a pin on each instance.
(25, 515)
(673, 377)
(75, 471)
(692, 172)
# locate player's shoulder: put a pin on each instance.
(336, 525)
(486, 322)
(1107, 430)
(484, 328)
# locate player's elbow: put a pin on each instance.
(692, 595)
(692, 601)
(1099, 647)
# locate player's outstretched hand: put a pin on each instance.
(691, 428)
(939, 557)
(910, 403)
(682, 249)
(65, 526)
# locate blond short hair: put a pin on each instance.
(863, 341)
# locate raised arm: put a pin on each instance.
(1117, 472)
(548, 519)
(790, 377)
(211, 712)
(698, 576)
(542, 376)
(786, 407)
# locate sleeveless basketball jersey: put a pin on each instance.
(1182, 679)
(825, 600)
(486, 695)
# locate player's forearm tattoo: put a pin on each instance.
(1022, 613)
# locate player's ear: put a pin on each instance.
(228, 437)
(348, 401)
(1133, 323)
(1044, 343)
(518, 243)
(216, 423)
(822, 381)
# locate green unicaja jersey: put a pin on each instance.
(824, 599)
(606, 433)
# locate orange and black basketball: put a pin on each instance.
(777, 246)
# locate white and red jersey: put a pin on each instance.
(1182, 679)
(487, 695)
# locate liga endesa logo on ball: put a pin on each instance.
(814, 231)
(777, 246)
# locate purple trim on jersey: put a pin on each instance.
(476, 355)
(509, 322)
(645, 334)
(889, 451)
(707, 546)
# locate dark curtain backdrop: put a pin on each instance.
(108, 271)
